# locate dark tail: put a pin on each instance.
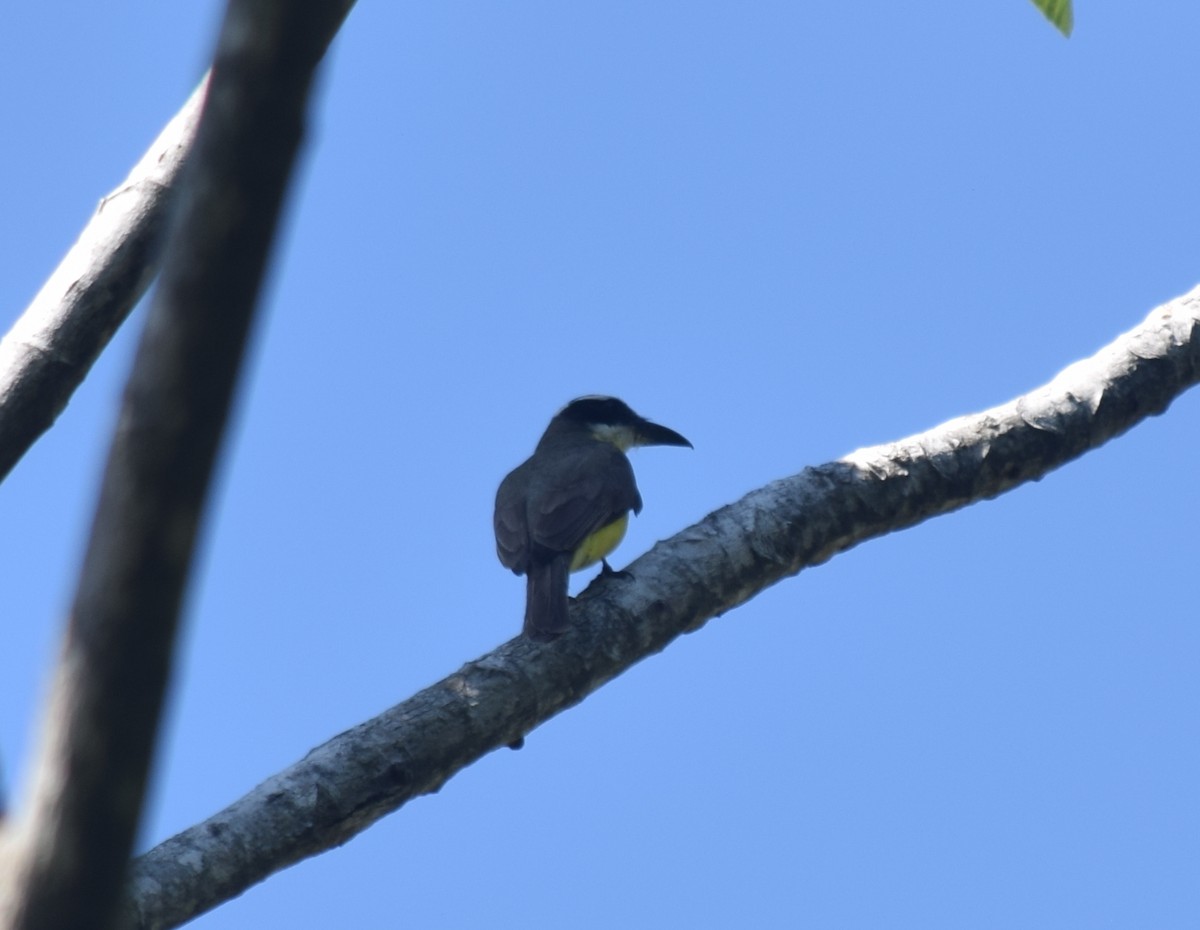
(546, 599)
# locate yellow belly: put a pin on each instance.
(599, 544)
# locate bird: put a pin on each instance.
(567, 506)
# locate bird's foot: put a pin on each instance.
(607, 571)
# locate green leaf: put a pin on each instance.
(1058, 12)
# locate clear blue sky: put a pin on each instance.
(785, 230)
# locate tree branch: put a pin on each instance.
(54, 343)
(356, 778)
(67, 852)
(52, 346)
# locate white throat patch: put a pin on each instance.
(622, 437)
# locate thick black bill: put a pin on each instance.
(651, 434)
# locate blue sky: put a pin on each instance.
(786, 231)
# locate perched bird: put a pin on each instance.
(566, 506)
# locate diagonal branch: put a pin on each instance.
(53, 344)
(342, 787)
(66, 855)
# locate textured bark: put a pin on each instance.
(351, 781)
(67, 851)
(52, 346)
(56, 340)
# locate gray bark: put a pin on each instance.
(67, 849)
(52, 346)
(772, 533)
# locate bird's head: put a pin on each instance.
(613, 420)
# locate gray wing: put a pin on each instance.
(510, 521)
(590, 487)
